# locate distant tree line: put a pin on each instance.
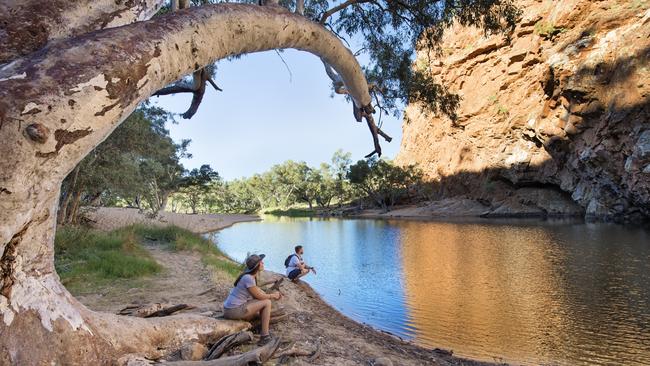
(366, 183)
(138, 166)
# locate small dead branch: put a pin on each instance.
(200, 78)
(206, 291)
(153, 310)
(228, 342)
(276, 284)
(375, 132)
(169, 310)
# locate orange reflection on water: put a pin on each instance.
(486, 291)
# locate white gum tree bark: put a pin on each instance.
(60, 102)
(28, 25)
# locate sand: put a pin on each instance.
(110, 218)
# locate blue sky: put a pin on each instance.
(264, 116)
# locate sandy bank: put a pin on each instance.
(110, 218)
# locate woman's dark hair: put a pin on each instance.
(254, 273)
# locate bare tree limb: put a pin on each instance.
(374, 131)
(300, 7)
(200, 78)
(174, 89)
(340, 7)
(214, 85)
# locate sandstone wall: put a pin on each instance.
(556, 116)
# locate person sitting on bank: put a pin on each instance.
(247, 301)
(296, 267)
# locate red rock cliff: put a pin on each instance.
(553, 121)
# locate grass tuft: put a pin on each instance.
(86, 259)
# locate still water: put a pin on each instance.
(558, 293)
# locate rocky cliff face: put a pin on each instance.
(555, 120)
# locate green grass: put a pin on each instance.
(87, 259)
(178, 239)
(292, 212)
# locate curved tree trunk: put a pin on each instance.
(58, 104)
(28, 25)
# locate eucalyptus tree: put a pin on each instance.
(72, 71)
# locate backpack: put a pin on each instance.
(286, 261)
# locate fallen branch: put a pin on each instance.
(169, 310)
(255, 356)
(228, 342)
(152, 310)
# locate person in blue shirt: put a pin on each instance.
(296, 267)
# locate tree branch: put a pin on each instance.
(26, 27)
(214, 85)
(340, 7)
(174, 89)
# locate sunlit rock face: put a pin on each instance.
(562, 109)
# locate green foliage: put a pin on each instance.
(291, 212)
(384, 182)
(392, 31)
(195, 186)
(86, 259)
(138, 165)
(296, 189)
(547, 30)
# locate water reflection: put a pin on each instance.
(523, 292)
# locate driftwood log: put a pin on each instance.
(226, 343)
(255, 356)
(153, 310)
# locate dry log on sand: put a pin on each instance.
(256, 356)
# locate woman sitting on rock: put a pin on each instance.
(246, 300)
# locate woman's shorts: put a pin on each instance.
(235, 313)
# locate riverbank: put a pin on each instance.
(185, 278)
(525, 203)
